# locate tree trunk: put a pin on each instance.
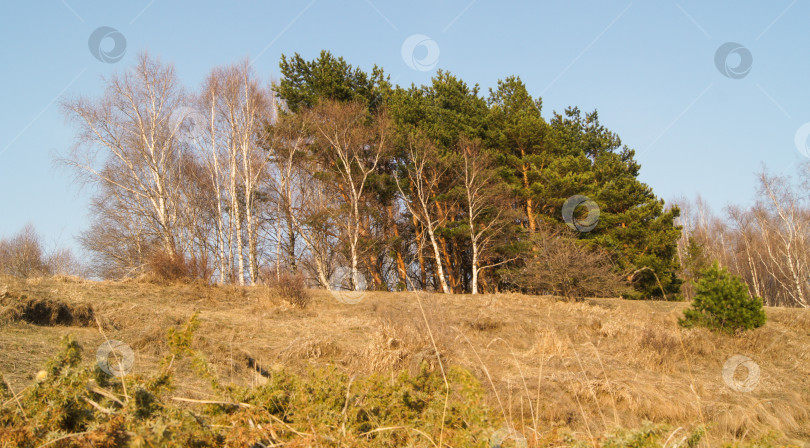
(400, 262)
(438, 257)
(420, 252)
(529, 202)
(237, 221)
(474, 284)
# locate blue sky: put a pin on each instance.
(647, 66)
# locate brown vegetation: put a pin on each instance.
(547, 365)
(290, 287)
(23, 255)
(566, 267)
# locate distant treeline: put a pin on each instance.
(767, 244)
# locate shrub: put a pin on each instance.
(175, 267)
(22, 255)
(78, 405)
(565, 267)
(292, 288)
(61, 261)
(722, 302)
(166, 266)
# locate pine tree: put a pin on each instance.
(305, 83)
(542, 163)
(634, 225)
(722, 302)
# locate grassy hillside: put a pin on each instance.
(559, 373)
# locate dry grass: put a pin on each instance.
(588, 366)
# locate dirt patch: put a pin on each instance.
(47, 312)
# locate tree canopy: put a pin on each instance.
(540, 162)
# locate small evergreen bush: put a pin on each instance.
(722, 302)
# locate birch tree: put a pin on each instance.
(783, 225)
(424, 174)
(482, 193)
(301, 201)
(213, 151)
(245, 110)
(125, 141)
(351, 143)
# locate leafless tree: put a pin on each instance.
(482, 192)
(245, 106)
(302, 202)
(126, 141)
(765, 244)
(564, 266)
(212, 150)
(425, 173)
(744, 226)
(353, 141)
(783, 224)
(22, 255)
(119, 239)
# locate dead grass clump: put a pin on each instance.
(547, 344)
(386, 351)
(484, 323)
(310, 348)
(47, 312)
(591, 324)
(659, 342)
(151, 339)
(793, 318)
(700, 342)
(399, 343)
(64, 278)
(613, 329)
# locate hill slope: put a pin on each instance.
(585, 367)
